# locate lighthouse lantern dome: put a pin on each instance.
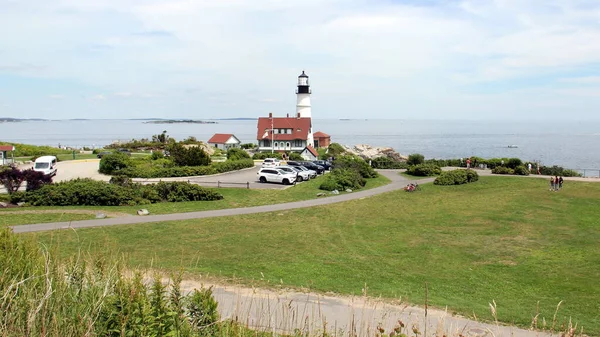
(303, 79)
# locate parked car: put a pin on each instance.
(102, 154)
(271, 162)
(273, 175)
(125, 151)
(312, 166)
(312, 174)
(327, 165)
(46, 165)
(300, 174)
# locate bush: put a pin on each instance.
(558, 171)
(192, 156)
(521, 170)
(156, 155)
(456, 177)
(114, 162)
(356, 163)
(415, 159)
(186, 171)
(11, 178)
(248, 146)
(237, 154)
(502, 170)
(335, 150)
(17, 197)
(387, 163)
(88, 192)
(35, 180)
(295, 156)
(121, 180)
(263, 155)
(513, 163)
(424, 170)
(342, 179)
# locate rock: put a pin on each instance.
(369, 152)
(335, 192)
(205, 147)
(100, 216)
(349, 190)
(321, 194)
(20, 204)
(3, 204)
(143, 212)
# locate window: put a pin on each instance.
(275, 144)
(289, 131)
(267, 143)
(287, 145)
(298, 143)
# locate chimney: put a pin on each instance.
(298, 115)
(270, 115)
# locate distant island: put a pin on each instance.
(179, 121)
(15, 120)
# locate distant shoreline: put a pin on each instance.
(182, 121)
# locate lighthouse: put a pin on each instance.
(303, 97)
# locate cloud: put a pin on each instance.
(453, 58)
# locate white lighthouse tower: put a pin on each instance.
(303, 97)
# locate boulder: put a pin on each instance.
(349, 190)
(322, 194)
(205, 147)
(100, 216)
(3, 204)
(335, 192)
(143, 212)
(369, 152)
(20, 204)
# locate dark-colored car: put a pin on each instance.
(312, 166)
(125, 151)
(327, 165)
(102, 154)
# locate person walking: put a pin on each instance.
(551, 183)
(529, 167)
(560, 182)
(556, 183)
(468, 163)
(538, 168)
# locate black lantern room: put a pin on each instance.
(303, 86)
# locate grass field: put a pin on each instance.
(233, 198)
(14, 219)
(503, 238)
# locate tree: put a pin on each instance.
(335, 150)
(237, 154)
(161, 138)
(113, 162)
(193, 156)
(415, 159)
(35, 180)
(11, 178)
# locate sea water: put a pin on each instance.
(572, 144)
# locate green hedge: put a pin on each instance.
(388, 163)
(558, 171)
(356, 163)
(263, 155)
(343, 178)
(503, 170)
(237, 154)
(456, 177)
(424, 170)
(185, 171)
(88, 192)
(25, 150)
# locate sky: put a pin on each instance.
(201, 59)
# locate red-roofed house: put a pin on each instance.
(284, 133)
(224, 141)
(322, 139)
(4, 149)
(309, 153)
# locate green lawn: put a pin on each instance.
(29, 218)
(506, 239)
(233, 198)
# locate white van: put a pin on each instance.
(46, 165)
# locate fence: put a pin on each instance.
(589, 173)
(217, 183)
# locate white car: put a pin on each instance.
(271, 162)
(46, 165)
(301, 175)
(311, 173)
(273, 175)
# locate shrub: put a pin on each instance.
(202, 311)
(121, 180)
(186, 171)
(558, 171)
(521, 170)
(17, 197)
(424, 170)
(415, 159)
(502, 170)
(456, 177)
(295, 156)
(263, 155)
(237, 154)
(114, 162)
(88, 192)
(335, 150)
(157, 155)
(387, 163)
(247, 146)
(192, 156)
(513, 163)
(342, 179)
(356, 163)
(35, 180)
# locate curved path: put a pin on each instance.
(397, 182)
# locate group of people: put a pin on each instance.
(556, 183)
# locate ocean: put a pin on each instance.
(572, 144)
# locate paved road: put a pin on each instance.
(398, 182)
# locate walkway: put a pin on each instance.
(398, 182)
